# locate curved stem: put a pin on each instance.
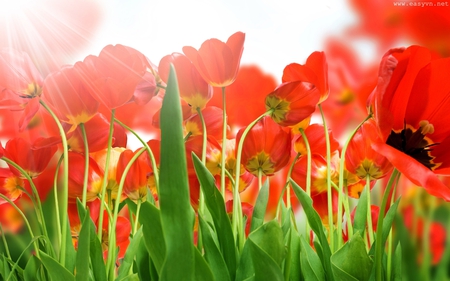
(148, 149)
(329, 190)
(224, 143)
(55, 190)
(105, 175)
(369, 210)
(138, 211)
(237, 208)
(201, 203)
(65, 186)
(309, 160)
(113, 222)
(341, 187)
(36, 247)
(86, 164)
(379, 235)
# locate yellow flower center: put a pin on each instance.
(278, 106)
(260, 162)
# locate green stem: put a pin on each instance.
(201, 203)
(309, 160)
(237, 208)
(329, 190)
(65, 186)
(35, 198)
(86, 164)
(390, 239)
(341, 186)
(286, 185)
(105, 175)
(369, 210)
(112, 233)
(379, 234)
(426, 261)
(224, 144)
(149, 151)
(259, 179)
(55, 190)
(36, 247)
(8, 254)
(138, 211)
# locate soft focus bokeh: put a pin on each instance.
(353, 34)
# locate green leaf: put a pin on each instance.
(177, 216)
(95, 247)
(132, 249)
(259, 210)
(351, 262)
(294, 256)
(397, 264)
(70, 250)
(82, 260)
(150, 220)
(143, 262)
(311, 266)
(387, 225)
(131, 277)
(316, 225)
(216, 206)
(265, 266)
(359, 222)
(245, 270)
(212, 253)
(31, 269)
(54, 269)
(202, 270)
(269, 237)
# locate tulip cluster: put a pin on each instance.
(66, 139)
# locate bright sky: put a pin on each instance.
(277, 32)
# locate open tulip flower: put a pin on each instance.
(19, 76)
(216, 61)
(123, 170)
(410, 107)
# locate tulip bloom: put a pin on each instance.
(23, 82)
(10, 185)
(410, 106)
(76, 177)
(314, 71)
(267, 147)
(113, 76)
(292, 102)
(193, 88)
(216, 61)
(315, 134)
(32, 160)
(213, 121)
(361, 159)
(135, 184)
(66, 92)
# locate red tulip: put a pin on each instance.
(32, 160)
(216, 61)
(193, 88)
(10, 185)
(410, 106)
(292, 102)
(76, 177)
(135, 185)
(361, 159)
(113, 76)
(22, 84)
(66, 92)
(267, 147)
(314, 71)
